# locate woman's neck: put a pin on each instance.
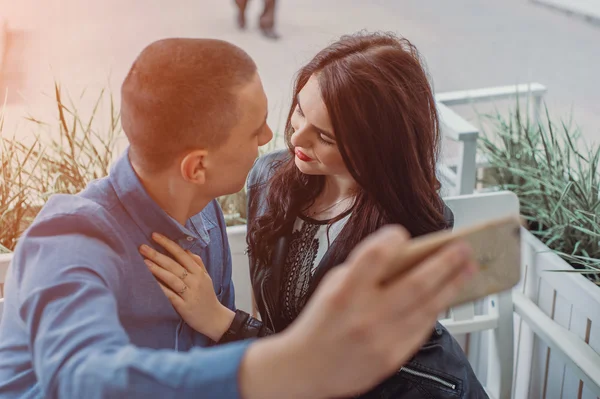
(337, 188)
(336, 198)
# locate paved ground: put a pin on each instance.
(586, 9)
(467, 44)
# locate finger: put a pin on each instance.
(177, 301)
(198, 260)
(420, 320)
(407, 335)
(170, 280)
(427, 279)
(443, 299)
(179, 253)
(163, 261)
(372, 257)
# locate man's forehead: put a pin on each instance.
(253, 100)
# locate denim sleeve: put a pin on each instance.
(79, 347)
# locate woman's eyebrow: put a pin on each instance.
(321, 131)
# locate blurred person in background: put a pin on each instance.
(266, 21)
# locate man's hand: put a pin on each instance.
(356, 331)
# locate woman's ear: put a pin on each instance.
(193, 167)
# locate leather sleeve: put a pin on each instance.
(244, 327)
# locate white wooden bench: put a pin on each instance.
(489, 322)
(492, 317)
(459, 174)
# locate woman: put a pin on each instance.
(362, 137)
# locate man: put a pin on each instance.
(84, 317)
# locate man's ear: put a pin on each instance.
(193, 167)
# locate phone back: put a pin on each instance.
(498, 252)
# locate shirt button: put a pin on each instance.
(189, 238)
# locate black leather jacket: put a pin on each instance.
(438, 370)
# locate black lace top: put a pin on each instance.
(310, 241)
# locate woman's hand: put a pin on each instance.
(188, 286)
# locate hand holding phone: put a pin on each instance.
(496, 246)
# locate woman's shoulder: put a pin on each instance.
(266, 165)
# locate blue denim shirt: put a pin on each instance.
(85, 318)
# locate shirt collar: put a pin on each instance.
(147, 214)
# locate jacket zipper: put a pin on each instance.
(428, 376)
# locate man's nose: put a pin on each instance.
(266, 136)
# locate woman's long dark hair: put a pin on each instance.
(384, 117)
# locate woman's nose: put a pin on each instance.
(300, 138)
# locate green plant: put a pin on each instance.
(61, 159)
(555, 174)
(79, 152)
(17, 162)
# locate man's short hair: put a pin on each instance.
(179, 95)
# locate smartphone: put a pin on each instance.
(496, 246)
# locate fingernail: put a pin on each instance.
(148, 263)
(156, 236)
(144, 249)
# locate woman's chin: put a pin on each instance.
(305, 167)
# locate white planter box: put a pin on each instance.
(573, 302)
(241, 267)
(4, 262)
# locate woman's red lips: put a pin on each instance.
(302, 156)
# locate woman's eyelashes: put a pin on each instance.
(323, 138)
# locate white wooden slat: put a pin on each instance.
(588, 393)
(467, 167)
(448, 179)
(525, 349)
(490, 94)
(580, 291)
(540, 349)
(470, 209)
(463, 312)
(594, 342)
(240, 267)
(478, 344)
(4, 262)
(478, 323)
(455, 126)
(556, 366)
(500, 346)
(572, 383)
(524, 345)
(575, 352)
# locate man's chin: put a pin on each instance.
(234, 189)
